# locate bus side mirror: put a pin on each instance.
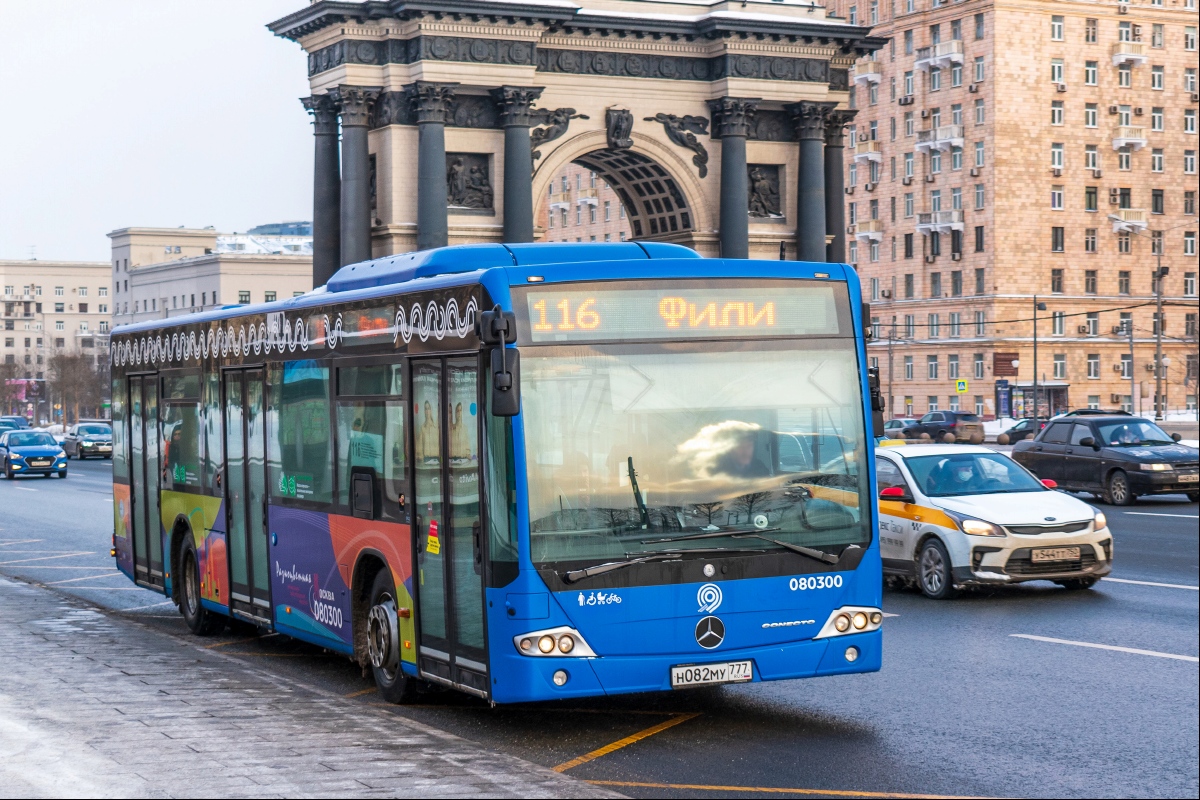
(506, 382)
(877, 403)
(496, 326)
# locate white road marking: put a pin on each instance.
(152, 605)
(84, 578)
(47, 558)
(24, 489)
(51, 566)
(8, 542)
(886, 615)
(1152, 583)
(1155, 514)
(1133, 650)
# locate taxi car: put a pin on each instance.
(952, 516)
(31, 453)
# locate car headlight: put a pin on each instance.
(562, 641)
(1099, 521)
(14, 457)
(973, 526)
(1156, 467)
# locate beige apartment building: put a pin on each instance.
(52, 307)
(580, 206)
(1004, 150)
(163, 272)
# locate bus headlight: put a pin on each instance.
(563, 641)
(849, 620)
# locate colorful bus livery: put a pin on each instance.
(526, 472)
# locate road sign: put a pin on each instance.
(960, 386)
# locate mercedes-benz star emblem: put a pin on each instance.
(710, 632)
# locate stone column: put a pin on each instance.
(835, 183)
(432, 104)
(810, 119)
(516, 105)
(327, 189)
(732, 117)
(354, 103)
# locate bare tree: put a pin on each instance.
(747, 503)
(708, 510)
(8, 391)
(77, 384)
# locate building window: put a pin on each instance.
(908, 205)
(979, 69)
(1056, 198)
(1091, 31)
(1091, 198)
(1093, 366)
(910, 326)
(931, 365)
(955, 332)
(1157, 32)
(1156, 77)
(1189, 162)
(1056, 71)
(269, 297)
(908, 368)
(1124, 159)
(1091, 116)
(1091, 73)
(1189, 120)
(1057, 240)
(932, 402)
(1125, 76)
(980, 114)
(910, 124)
(1093, 323)
(935, 79)
(1056, 28)
(956, 283)
(1156, 160)
(935, 284)
(908, 165)
(908, 251)
(978, 27)
(1156, 243)
(979, 154)
(1189, 37)
(243, 297)
(1124, 245)
(854, 251)
(1189, 203)
(1056, 112)
(1060, 366)
(1189, 285)
(979, 196)
(1156, 119)
(607, 210)
(1189, 243)
(1091, 157)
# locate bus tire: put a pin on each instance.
(383, 630)
(199, 619)
(934, 574)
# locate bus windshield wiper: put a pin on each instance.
(819, 555)
(576, 575)
(637, 497)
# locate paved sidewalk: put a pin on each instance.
(96, 705)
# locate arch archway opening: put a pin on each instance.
(655, 207)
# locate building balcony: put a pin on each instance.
(943, 137)
(940, 55)
(588, 196)
(939, 221)
(1129, 53)
(1132, 220)
(867, 72)
(560, 200)
(1131, 136)
(869, 230)
(870, 150)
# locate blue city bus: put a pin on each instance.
(526, 472)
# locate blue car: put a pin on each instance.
(31, 453)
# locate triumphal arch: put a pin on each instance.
(719, 125)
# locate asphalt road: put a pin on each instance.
(965, 704)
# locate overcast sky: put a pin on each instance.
(147, 112)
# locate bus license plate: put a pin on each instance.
(1054, 554)
(704, 674)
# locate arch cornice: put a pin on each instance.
(682, 171)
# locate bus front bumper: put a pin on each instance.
(518, 678)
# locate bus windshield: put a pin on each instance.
(636, 448)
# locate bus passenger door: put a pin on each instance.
(245, 494)
(450, 604)
(143, 475)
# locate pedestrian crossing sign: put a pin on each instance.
(960, 386)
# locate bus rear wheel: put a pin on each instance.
(383, 642)
(199, 619)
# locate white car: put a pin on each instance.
(955, 516)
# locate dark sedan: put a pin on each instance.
(88, 439)
(1116, 458)
(31, 453)
(965, 426)
(1024, 429)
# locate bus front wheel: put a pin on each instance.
(383, 642)
(200, 620)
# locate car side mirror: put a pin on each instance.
(1049, 483)
(1088, 441)
(1175, 437)
(895, 493)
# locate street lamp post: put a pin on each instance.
(1036, 308)
(1159, 273)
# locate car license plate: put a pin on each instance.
(1054, 554)
(705, 674)
(1189, 478)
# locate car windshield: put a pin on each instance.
(970, 473)
(1132, 433)
(31, 439)
(95, 430)
(630, 443)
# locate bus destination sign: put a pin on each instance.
(680, 312)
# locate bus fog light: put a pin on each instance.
(566, 644)
(526, 645)
(842, 623)
(852, 654)
(876, 617)
(560, 677)
(546, 644)
(860, 621)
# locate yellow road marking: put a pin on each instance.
(222, 644)
(628, 740)
(773, 790)
(361, 692)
